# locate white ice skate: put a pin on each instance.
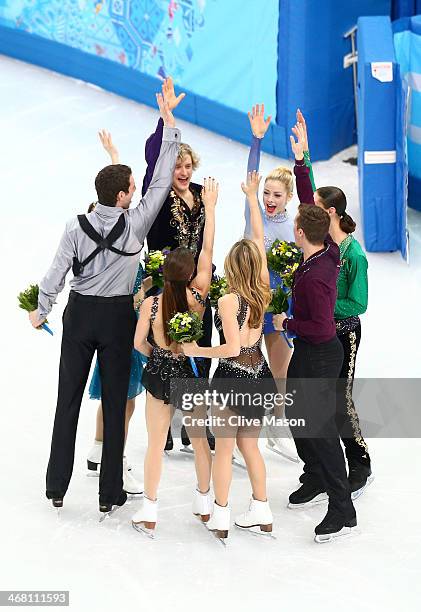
(202, 505)
(130, 484)
(94, 458)
(219, 522)
(145, 519)
(284, 447)
(237, 458)
(257, 519)
(186, 449)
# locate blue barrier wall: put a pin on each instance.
(407, 40)
(225, 54)
(405, 8)
(381, 138)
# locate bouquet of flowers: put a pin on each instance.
(279, 304)
(28, 300)
(217, 289)
(186, 327)
(282, 254)
(154, 265)
(288, 276)
(279, 301)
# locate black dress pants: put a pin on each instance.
(347, 420)
(90, 324)
(311, 381)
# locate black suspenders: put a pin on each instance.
(103, 243)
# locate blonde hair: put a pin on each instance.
(185, 149)
(243, 271)
(284, 176)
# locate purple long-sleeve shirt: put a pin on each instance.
(314, 288)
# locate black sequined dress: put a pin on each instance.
(247, 374)
(166, 375)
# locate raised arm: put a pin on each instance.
(145, 213)
(203, 276)
(109, 146)
(301, 121)
(301, 171)
(251, 189)
(259, 126)
(153, 143)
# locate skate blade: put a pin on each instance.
(223, 541)
(238, 463)
(293, 458)
(150, 533)
(322, 498)
(359, 492)
(213, 533)
(256, 530)
(187, 450)
(106, 515)
(344, 532)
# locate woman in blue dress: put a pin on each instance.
(142, 284)
(278, 225)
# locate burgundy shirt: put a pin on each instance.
(314, 288)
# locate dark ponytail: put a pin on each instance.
(178, 269)
(91, 207)
(347, 224)
(333, 197)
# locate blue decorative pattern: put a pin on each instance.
(153, 36)
(191, 40)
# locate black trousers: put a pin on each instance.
(90, 324)
(347, 420)
(311, 381)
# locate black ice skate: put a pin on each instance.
(108, 510)
(334, 525)
(309, 494)
(359, 477)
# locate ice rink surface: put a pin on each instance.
(50, 154)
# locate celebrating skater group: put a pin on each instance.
(151, 329)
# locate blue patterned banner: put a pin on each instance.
(214, 48)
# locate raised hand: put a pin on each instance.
(252, 186)
(165, 111)
(298, 147)
(169, 94)
(107, 143)
(210, 192)
(259, 125)
(302, 122)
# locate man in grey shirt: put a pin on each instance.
(100, 315)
